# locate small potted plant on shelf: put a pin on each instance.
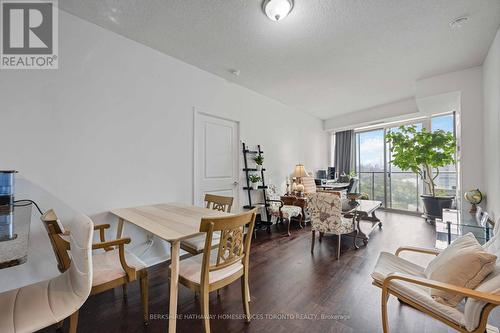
(254, 179)
(259, 159)
(423, 153)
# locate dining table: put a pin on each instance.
(172, 222)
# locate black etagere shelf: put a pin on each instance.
(250, 154)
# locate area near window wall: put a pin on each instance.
(398, 189)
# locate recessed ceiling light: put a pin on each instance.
(459, 22)
(277, 10)
(235, 72)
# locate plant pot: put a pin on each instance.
(434, 205)
(255, 186)
(258, 167)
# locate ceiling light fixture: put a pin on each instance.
(459, 22)
(235, 72)
(277, 10)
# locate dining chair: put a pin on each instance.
(31, 308)
(326, 217)
(216, 268)
(195, 245)
(111, 268)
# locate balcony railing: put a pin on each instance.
(401, 190)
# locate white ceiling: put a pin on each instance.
(327, 58)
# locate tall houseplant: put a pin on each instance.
(424, 152)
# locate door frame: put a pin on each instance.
(196, 189)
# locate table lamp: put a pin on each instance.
(298, 173)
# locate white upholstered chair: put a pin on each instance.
(407, 281)
(325, 209)
(39, 305)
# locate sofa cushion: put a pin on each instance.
(464, 263)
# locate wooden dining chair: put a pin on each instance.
(112, 268)
(216, 268)
(195, 245)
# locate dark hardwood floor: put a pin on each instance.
(288, 286)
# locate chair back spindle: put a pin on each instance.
(234, 245)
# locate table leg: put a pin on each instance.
(174, 281)
(119, 229)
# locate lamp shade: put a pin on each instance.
(300, 171)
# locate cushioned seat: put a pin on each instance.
(197, 244)
(389, 263)
(107, 266)
(190, 269)
(288, 211)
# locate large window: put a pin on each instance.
(383, 181)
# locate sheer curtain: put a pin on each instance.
(345, 151)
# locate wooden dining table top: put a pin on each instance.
(169, 221)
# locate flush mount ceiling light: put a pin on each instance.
(459, 22)
(277, 10)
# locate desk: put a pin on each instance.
(172, 222)
(365, 211)
(334, 186)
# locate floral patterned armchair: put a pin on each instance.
(326, 217)
(278, 209)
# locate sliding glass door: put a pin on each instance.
(397, 189)
(403, 188)
(370, 163)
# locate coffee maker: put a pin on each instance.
(7, 205)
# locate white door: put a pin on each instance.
(216, 151)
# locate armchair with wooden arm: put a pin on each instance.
(111, 268)
(406, 281)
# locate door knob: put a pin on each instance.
(235, 183)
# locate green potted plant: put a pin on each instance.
(254, 179)
(259, 159)
(423, 153)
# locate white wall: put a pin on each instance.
(491, 87)
(386, 112)
(113, 127)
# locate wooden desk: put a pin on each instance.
(172, 222)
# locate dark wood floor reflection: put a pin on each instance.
(285, 281)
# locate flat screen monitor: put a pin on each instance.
(321, 174)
